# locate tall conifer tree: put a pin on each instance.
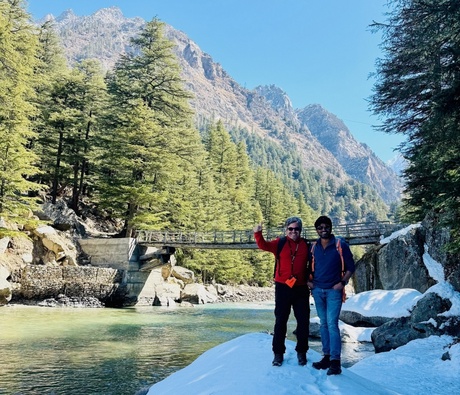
(149, 142)
(418, 93)
(18, 49)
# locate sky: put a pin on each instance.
(318, 52)
(242, 366)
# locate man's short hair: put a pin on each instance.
(291, 220)
(323, 220)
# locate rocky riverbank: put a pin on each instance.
(225, 294)
(245, 293)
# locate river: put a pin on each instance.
(78, 351)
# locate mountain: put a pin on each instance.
(357, 159)
(397, 163)
(322, 141)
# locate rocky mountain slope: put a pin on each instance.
(322, 140)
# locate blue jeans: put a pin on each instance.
(328, 303)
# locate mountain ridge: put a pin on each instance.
(322, 140)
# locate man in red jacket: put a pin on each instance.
(291, 289)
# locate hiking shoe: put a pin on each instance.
(325, 363)
(278, 360)
(302, 358)
(335, 367)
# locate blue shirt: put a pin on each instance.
(328, 265)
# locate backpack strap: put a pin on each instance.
(338, 246)
(312, 261)
(279, 247)
(339, 250)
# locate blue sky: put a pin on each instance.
(317, 51)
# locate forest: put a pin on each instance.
(126, 144)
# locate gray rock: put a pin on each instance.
(197, 294)
(183, 274)
(63, 217)
(4, 242)
(356, 319)
(396, 265)
(425, 320)
(5, 286)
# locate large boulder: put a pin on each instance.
(426, 319)
(395, 265)
(167, 294)
(375, 308)
(198, 294)
(356, 319)
(62, 217)
(57, 249)
(16, 251)
(399, 261)
(185, 275)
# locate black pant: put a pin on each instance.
(297, 298)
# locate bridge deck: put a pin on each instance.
(354, 234)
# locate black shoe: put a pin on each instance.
(302, 358)
(323, 364)
(278, 360)
(335, 367)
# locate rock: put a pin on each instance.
(59, 251)
(356, 319)
(183, 274)
(396, 265)
(244, 293)
(8, 225)
(166, 294)
(65, 301)
(425, 320)
(314, 329)
(197, 294)
(5, 286)
(400, 263)
(63, 217)
(429, 307)
(4, 242)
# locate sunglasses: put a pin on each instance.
(323, 227)
(294, 229)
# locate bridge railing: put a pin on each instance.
(356, 233)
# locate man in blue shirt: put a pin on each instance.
(332, 267)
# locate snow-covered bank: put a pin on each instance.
(243, 365)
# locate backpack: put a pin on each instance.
(279, 247)
(338, 246)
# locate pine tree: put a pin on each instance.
(272, 198)
(418, 93)
(149, 143)
(18, 49)
(69, 109)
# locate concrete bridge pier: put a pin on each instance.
(124, 254)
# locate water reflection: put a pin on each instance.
(109, 351)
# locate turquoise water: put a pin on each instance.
(72, 351)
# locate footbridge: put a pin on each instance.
(354, 234)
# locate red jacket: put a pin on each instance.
(298, 249)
